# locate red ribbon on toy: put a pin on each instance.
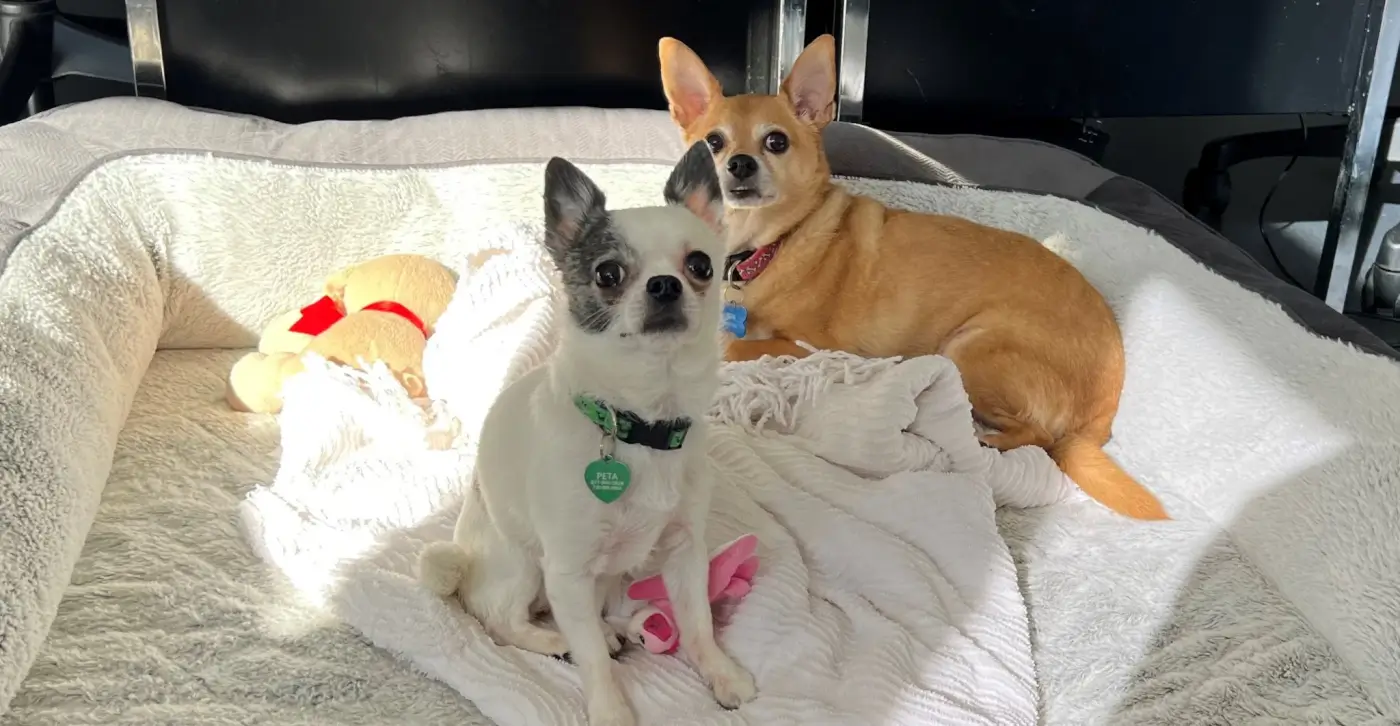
(325, 312)
(318, 316)
(389, 306)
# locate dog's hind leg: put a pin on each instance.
(512, 625)
(1030, 403)
(533, 637)
(503, 585)
(1012, 434)
(1012, 392)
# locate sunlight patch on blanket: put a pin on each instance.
(1241, 386)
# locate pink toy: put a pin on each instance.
(731, 577)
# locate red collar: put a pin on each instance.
(746, 268)
(325, 312)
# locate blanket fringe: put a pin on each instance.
(756, 394)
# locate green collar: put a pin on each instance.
(633, 429)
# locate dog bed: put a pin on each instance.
(127, 288)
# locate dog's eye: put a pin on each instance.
(608, 274)
(698, 265)
(715, 142)
(776, 142)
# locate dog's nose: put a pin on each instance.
(664, 288)
(742, 166)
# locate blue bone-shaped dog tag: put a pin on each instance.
(735, 319)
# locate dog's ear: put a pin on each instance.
(811, 84)
(570, 199)
(690, 87)
(694, 184)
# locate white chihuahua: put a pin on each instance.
(594, 466)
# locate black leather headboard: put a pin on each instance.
(1108, 58)
(298, 60)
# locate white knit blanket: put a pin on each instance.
(885, 594)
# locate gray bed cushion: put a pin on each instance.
(1139, 203)
(1021, 164)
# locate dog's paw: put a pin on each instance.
(616, 641)
(616, 646)
(536, 639)
(733, 686)
(610, 710)
(553, 643)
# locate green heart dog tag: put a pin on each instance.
(607, 478)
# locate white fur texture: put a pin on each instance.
(1270, 599)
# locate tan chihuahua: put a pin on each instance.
(1038, 347)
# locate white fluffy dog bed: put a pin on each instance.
(1272, 597)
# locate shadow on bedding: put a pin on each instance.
(169, 618)
(82, 312)
(1270, 598)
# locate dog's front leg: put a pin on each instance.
(686, 573)
(573, 599)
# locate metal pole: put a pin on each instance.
(147, 59)
(1336, 266)
(855, 32)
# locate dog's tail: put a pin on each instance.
(443, 567)
(1103, 479)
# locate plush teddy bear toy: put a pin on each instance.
(383, 309)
